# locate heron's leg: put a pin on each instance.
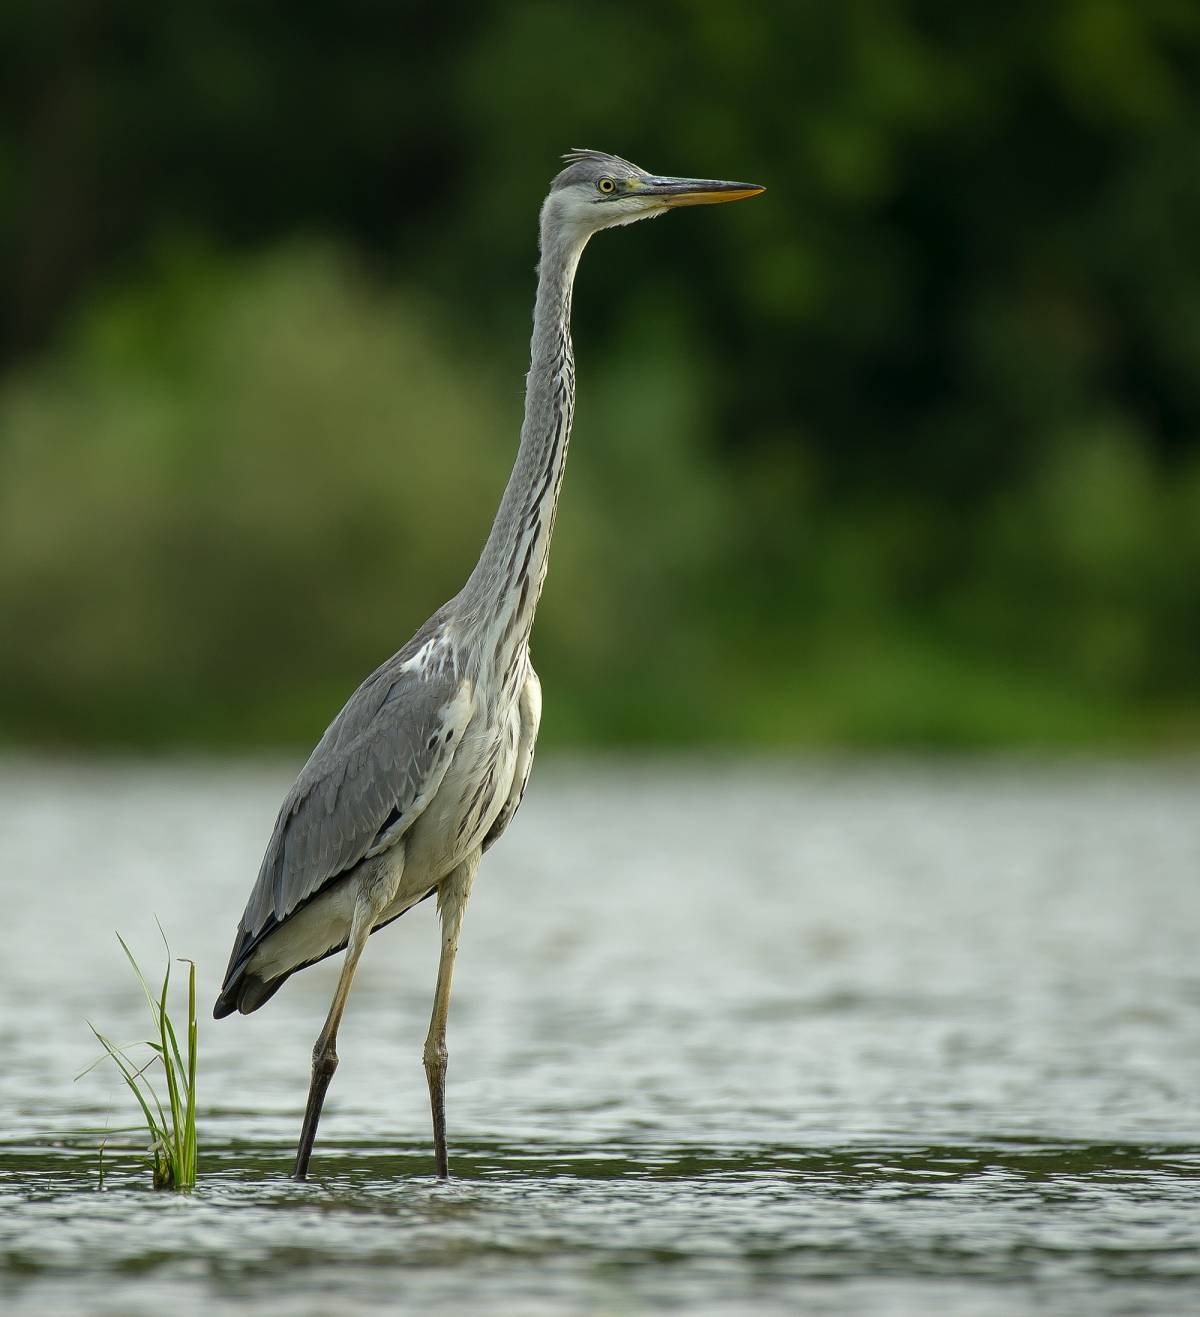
(452, 904)
(325, 1058)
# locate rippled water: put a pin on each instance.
(850, 1038)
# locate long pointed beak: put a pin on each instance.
(698, 191)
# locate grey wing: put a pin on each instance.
(370, 777)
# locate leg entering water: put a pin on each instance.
(453, 895)
(325, 1058)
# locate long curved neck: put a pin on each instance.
(502, 593)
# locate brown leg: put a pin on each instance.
(452, 904)
(325, 1057)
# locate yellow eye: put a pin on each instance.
(607, 185)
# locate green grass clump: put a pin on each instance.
(173, 1127)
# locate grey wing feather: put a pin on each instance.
(366, 783)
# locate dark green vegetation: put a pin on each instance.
(903, 452)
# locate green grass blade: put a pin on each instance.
(174, 1069)
(190, 1114)
(123, 1048)
(137, 970)
(130, 1079)
(162, 1005)
(172, 1129)
(169, 1036)
(164, 1025)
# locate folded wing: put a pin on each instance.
(373, 773)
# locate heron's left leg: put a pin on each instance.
(453, 895)
(325, 1058)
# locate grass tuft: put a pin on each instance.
(172, 1127)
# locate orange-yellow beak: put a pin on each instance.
(697, 191)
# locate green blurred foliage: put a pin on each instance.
(904, 452)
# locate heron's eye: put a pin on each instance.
(607, 185)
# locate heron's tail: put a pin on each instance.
(243, 990)
(246, 993)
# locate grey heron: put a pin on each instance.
(426, 764)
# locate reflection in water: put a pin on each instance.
(855, 1039)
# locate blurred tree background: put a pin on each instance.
(904, 452)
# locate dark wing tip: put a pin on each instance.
(238, 983)
(246, 993)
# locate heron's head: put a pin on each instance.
(597, 191)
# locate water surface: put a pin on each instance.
(727, 1037)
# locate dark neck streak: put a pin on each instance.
(502, 593)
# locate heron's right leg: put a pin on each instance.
(325, 1058)
(452, 905)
